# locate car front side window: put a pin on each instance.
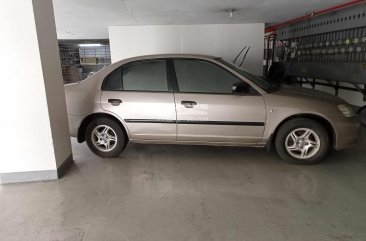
(198, 76)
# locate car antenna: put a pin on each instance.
(239, 54)
(245, 55)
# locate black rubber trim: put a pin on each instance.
(225, 123)
(150, 121)
(172, 75)
(194, 122)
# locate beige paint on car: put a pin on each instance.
(86, 98)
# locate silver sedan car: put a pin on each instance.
(204, 100)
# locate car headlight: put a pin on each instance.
(346, 110)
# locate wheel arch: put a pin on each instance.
(85, 122)
(321, 120)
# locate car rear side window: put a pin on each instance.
(148, 75)
(113, 81)
(198, 76)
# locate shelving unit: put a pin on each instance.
(82, 58)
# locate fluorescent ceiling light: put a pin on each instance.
(90, 45)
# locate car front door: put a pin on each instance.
(141, 95)
(208, 111)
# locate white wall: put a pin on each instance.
(34, 127)
(222, 40)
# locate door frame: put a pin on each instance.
(180, 122)
(128, 121)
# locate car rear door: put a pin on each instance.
(141, 95)
(208, 111)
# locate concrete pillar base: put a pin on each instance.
(36, 176)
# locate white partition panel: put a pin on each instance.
(223, 40)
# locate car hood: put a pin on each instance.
(306, 93)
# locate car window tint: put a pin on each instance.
(203, 77)
(114, 81)
(145, 76)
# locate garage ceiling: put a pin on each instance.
(89, 19)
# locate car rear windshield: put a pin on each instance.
(257, 80)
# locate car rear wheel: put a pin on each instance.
(105, 137)
(302, 141)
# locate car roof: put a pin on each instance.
(107, 70)
(161, 56)
(116, 64)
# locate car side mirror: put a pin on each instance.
(240, 87)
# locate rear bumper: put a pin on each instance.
(347, 131)
(74, 123)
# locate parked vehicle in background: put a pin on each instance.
(204, 100)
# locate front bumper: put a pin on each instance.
(347, 131)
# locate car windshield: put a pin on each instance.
(257, 80)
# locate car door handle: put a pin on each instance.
(115, 102)
(188, 104)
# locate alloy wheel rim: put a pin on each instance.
(104, 138)
(302, 143)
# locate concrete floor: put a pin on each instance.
(189, 193)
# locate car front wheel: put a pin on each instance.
(302, 141)
(105, 137)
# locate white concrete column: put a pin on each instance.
(34, 137)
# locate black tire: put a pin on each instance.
(118, 146)
(283, 137)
